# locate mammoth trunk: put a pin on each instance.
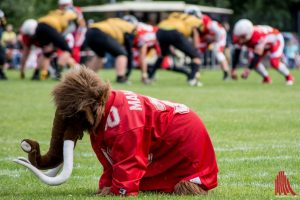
(54, 156)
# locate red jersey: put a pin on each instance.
(263, 36)
(213, 32)
(28, 41)
(145, 34)
(147, 144)
(206, 20)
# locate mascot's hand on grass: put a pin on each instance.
(104, 191)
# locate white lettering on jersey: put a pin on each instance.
(178, 108)
(133, 101)
(161, 106)
(113, 118)
(157, 104)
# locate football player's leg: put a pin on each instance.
(253, 59)
(187, 47)
(219, 48)
(44, 62)
(282, 68)
(222, 60)
(2, 61)
(275, 60)
(261, 70)
(119, 52)
(93, 40)
(164, 40)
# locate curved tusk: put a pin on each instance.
(51, 172)
(66, 171)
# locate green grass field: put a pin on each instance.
(255, 130)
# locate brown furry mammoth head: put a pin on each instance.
(81, 95)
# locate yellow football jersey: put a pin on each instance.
(115, 27)
(181, 22)
(59, 19)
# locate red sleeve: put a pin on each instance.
(26, 41)
(105, 180)
(130, 157)
(102, 155)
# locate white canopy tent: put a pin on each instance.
(152, 6)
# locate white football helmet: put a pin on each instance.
(65, 2)
(131, 19)
(193, 10)
(243, 27)
(29, 27)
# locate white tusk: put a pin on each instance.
(66, 171)
(51, 172)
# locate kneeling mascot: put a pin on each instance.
(143, 144)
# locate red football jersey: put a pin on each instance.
(145, 34)
(206, 20)
(28, 41)
(214, 32)
(264, 36)
(147, 144)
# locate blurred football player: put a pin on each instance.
(47, 32)
(212, 34)
(2, 51)
(78, 27)
(144, 41)
(114, 36)
(261, 40)
(175, 31)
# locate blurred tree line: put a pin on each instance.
(16, 11)
(278, 13)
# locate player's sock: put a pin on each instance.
(283, 69)
(289, 79)
(2, 74)
(121, 79)
(225, 75)
(262, 70)
(194, 69)
(182, 70)
(156, 66)
(267, 80)
(36, 75)
(44, 75)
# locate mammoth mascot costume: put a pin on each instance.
(143, 144)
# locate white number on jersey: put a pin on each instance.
(113, 118)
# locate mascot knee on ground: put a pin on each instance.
(82, 100)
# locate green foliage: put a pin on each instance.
(17, 11)
(254, 128)
(276, 13)
(273, 12)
